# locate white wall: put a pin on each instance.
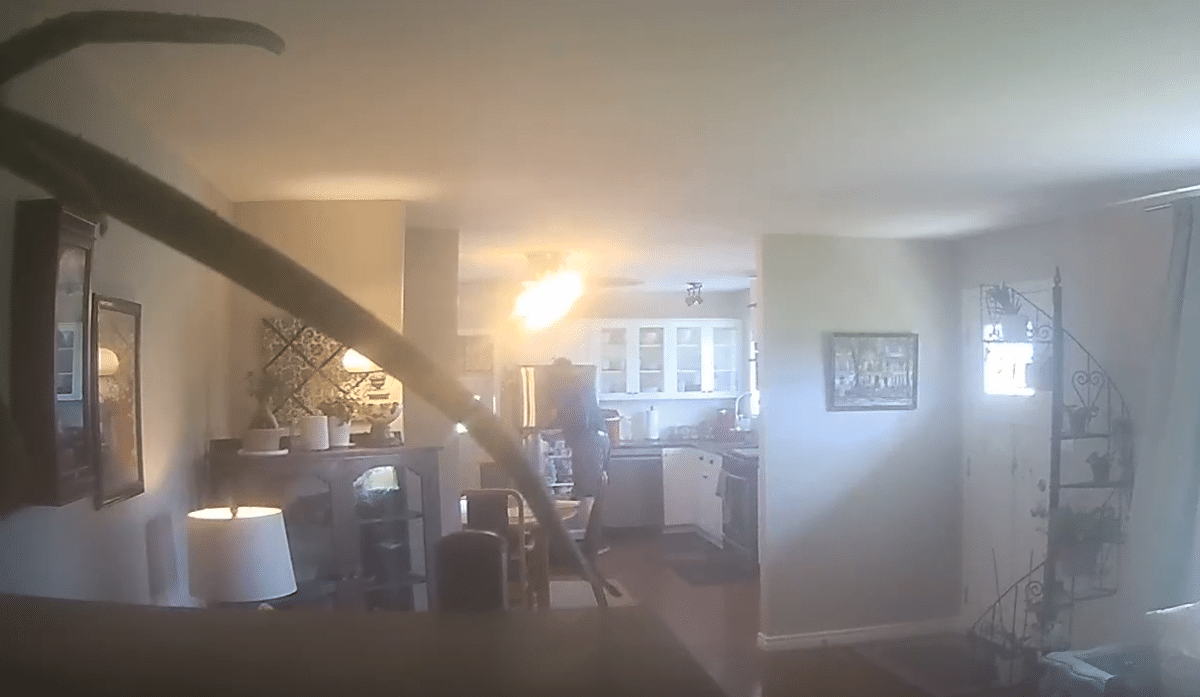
(357, 246)
(1113, 266)
(75, 551)
(860, 511)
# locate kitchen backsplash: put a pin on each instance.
(671, 412)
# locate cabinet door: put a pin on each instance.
(614, 365)
(652, 359)
(708, 504)
(689, 358)
(679, 486)
(725, 341)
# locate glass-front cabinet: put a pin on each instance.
(668, 358)
(614, 361)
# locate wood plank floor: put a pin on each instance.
(719, 626)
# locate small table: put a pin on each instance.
(539, 562)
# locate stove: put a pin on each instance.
(739, 505)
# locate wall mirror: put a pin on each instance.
(116, 352)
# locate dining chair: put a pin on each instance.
(472, 572)
(487, 509)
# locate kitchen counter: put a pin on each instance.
(712, 446)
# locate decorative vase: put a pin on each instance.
(313, 433)
(1014, 328)
(339, 433)
(262, 440)
(381, 416)
(1101, 467)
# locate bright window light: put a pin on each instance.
(1005, 365)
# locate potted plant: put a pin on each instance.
(264, 432)
(1080, 535)
(1006, 302)
(1078, 418)
(341, 412)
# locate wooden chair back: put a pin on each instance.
(472, 572)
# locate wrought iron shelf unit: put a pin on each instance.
(1085, 406)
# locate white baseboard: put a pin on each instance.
(856, 635)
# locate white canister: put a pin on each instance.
(313, 433)
(339, 433)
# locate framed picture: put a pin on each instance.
(116, 350)
(68, 362)
(475, 354)
(871, 372)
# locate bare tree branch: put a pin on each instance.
(54, 37)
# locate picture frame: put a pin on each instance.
(868, 371)
(68, 362)
(117, 388)
(476, 354)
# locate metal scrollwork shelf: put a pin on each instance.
(1085, 519)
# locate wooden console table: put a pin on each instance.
(359, 533)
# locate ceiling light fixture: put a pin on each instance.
(549, 296)
(693, 296)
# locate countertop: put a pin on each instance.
(711, 446)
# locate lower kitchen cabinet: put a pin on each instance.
(690, 497)
(679, 486)
(708, 503)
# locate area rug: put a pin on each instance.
(941, 665)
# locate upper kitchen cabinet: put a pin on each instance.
(668, 359)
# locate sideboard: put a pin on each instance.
(361, 522)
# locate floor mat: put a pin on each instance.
(676, 545)
(707, 572)
(700, 562)
(942, 665)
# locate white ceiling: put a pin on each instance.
(657, 138)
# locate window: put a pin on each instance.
(1005, 364)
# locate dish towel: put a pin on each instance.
(721, 483)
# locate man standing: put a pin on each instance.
(581, 421)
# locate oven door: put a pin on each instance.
(740, 515)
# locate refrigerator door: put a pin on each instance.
(540, 387)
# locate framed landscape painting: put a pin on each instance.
(871, 372)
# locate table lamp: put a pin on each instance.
(239, 555)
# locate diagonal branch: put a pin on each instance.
(145, 203)
(54, 37)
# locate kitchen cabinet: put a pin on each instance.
(708, 510)
(679, 486)
(634, 497)
(668, 359)
(690, 498)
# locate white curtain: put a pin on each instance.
(1161, 568)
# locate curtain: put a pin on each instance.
(1162, 562)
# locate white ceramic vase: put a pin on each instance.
(262, 440)
(339, 433)
(312, 433)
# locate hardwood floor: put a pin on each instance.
(719, 626)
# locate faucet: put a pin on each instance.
(737, 406)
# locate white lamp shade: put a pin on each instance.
(242, 558)
(108, 363)
(355, 362)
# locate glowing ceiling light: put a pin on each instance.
(548, 299)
